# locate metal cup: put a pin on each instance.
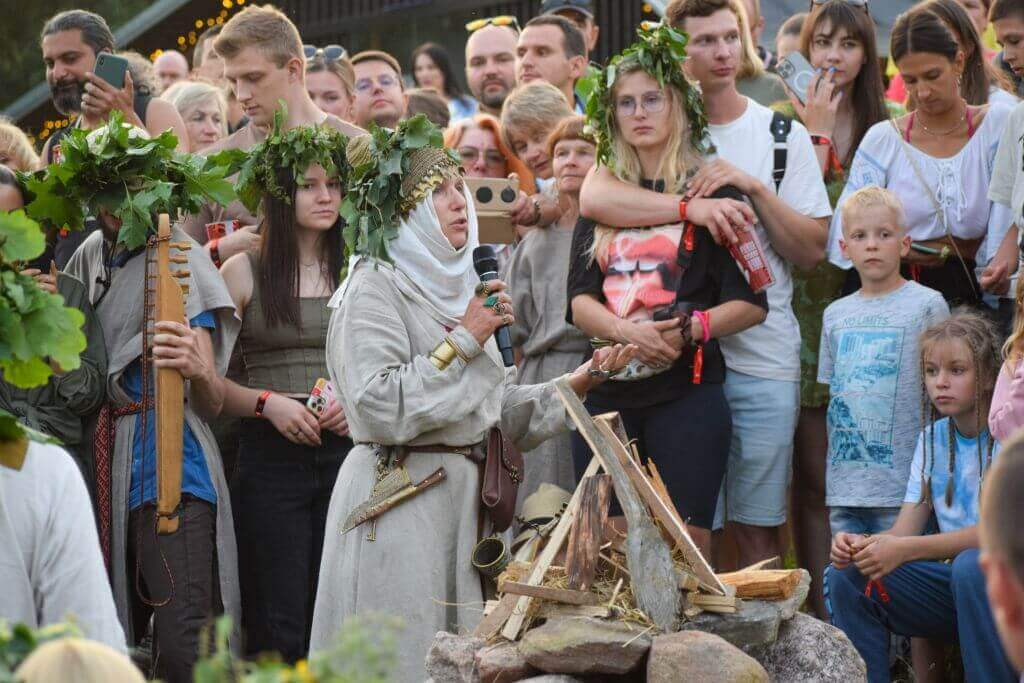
(491, 556)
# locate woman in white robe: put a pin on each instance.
(387, 323)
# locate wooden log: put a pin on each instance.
(662, 491)
(652, 571)
(564, 595)
(767, 563)
(709, 602)
(763, 584)
(687, 581)
(587, 527)
(549, 610)
(492, 622)
(693, 556)
(521, 603)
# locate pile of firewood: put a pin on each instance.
(654, 576)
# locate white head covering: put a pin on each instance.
(429, 269)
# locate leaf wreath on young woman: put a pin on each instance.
(374, 201)
(660, 51)
(120, 169)
(295, 149)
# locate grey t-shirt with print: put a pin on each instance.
(869, 358)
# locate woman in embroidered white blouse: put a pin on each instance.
(938, 161)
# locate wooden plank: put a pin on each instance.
(564, 595)
(662, 491)
(697, 563)
(705, 601)
(768, 563)
(587, 530)
(764, 584)
(521, 604)
(687, 581)
(554, 609)
(492, 622)
(649, 557)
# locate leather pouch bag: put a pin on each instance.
(502, 475)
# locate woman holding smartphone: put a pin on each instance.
(288, 456)
(843, 101)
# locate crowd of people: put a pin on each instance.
(822, 331)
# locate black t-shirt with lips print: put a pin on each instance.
(646, 270)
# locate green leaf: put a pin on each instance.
(20, 236)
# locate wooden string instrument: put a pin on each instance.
(169, 394)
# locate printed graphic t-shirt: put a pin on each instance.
(966, 473)
(869, 358)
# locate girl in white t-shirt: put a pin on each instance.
(938, 161)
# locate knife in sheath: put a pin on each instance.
(374, 507)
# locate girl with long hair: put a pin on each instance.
(843, 102)
(904, 580)
(1007, 414)
(669, 289)
(289, 448)
(938, 160)
(432, 68)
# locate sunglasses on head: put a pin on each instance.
(330, 53)
(503, 20)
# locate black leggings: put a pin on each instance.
(688, 440)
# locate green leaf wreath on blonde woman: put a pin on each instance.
(660, 51)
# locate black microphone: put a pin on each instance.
(485, 261)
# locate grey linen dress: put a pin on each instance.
(418, 568)
(536, 276)
(120, 316)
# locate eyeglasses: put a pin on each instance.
(365, 85)
(503, 20)
(860, 4)
(492, 157)
(330, 53)
(652, 103)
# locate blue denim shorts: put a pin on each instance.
(861, 520)
(764, 415)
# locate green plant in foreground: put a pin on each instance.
(17, 642)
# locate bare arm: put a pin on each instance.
(797, 238)
(206, 392)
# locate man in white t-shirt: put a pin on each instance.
(762, 383)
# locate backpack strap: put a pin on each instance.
(781, 125)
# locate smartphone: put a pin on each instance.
(320, 397)
(797, 73)
(493, 199)
(111, 68)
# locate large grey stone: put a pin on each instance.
(808, 649)
(699, 656)
(754, 625)
(452, 658)
(585, 646)
(502, 663)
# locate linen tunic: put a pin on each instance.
(536, 277)
(51, 568)
(418, 568)
(120, 315)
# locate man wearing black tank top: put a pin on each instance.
(71, 42)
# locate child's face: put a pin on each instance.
(949, 377)
(875, 243)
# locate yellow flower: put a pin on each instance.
(302, 672)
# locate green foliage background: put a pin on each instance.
(21, 63)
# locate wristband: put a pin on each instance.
(458, 351)
(705, 325)
(261, 403)
(682, 210)
(215, 251)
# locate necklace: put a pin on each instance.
(959, 123)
